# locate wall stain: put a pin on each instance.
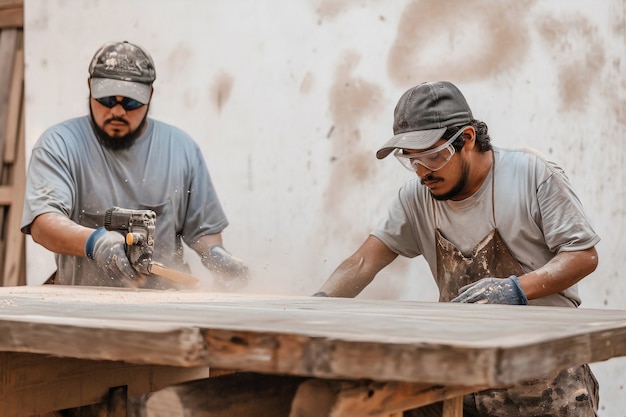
(329, 9)
(351, 100)
(221, 89)
(578, 55)
(178, 62)
(439, 40)
(307, 83)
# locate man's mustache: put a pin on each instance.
(430, 177)
(117, 119)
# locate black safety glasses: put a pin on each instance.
(126, 103)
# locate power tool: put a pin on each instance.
(140, 227)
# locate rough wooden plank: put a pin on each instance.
(7, 4)
(453, 407)
(501, 363)
(8, 46)
(240, 394)
(34, 384)
(2, 248)
(6, 195)
(307, 336)
(168, 345)
(117, 402)
(14, 109)
(396, 342)
(13, 267)
(11, 18)
(9, 40)
(332, 398)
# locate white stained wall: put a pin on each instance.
(289, 101)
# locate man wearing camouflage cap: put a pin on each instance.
(119, 157)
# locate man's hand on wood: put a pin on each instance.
(493, 291)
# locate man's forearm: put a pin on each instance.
(59, 234)
(563, 271)
(349, 279)
(204, 243)
(358, 271)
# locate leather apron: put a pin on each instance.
(572, 392)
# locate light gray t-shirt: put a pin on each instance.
(70, 173)
(536, 212)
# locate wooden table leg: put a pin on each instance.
(117, 402)
(453, 407)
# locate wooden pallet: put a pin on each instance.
(12, 152)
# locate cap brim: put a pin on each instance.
(418, 139)
(105, 87)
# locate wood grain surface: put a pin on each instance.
(446, 344)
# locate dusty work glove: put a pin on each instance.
(493, 291)
(106, 248)
(230, 271)
(321, 294)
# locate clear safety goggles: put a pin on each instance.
(433, 159)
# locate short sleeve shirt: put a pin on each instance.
(530, 201)
(70, 173)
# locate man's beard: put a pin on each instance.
(458, 187)
(119, 142)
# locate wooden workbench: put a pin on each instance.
(64, 347)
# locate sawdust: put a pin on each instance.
(106, 295)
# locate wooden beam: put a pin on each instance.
(117, 402)
(6, 195)
(453, 407)
(8, 46)
(13, 272)
(61, 383)
(8, 4)
(241, 394)
(14, 108)
(333, 398)
(12, 17)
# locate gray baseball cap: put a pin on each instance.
(423, 114)
(122, 69)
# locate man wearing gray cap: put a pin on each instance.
(119, 157)
(495, 226)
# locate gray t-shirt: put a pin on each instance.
(70, 173)
(536, 212)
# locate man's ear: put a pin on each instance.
(469, 137)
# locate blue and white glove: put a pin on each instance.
(493, 291)
(230, 271)
(106, 248)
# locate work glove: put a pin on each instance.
(321, 294)
(230, 271)
(493, 291)
(107, 249)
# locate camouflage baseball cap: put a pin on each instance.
(122, 69)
